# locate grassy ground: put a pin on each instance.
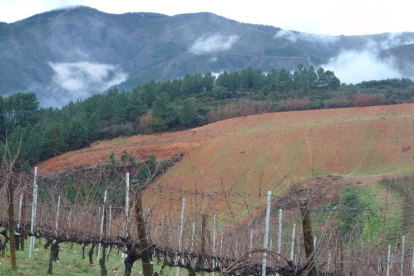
(70, 263)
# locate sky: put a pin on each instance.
(332, 17)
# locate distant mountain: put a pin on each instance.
(404, 55)
(74, 52)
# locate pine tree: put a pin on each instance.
(208, 81)
(119, 107)
(162, 112)
(136, 106)
(93, 127)
(52, 141)
(76, 134)
(187, 114)
(285, 80)
(158, 124)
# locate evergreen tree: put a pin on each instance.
(322, 81)
(105, 111)
(149, 93)
(147, 170)
(247, 78)
(187, 114)
(93, 127)
(272, 78)
(187, 85)
(162, 112)
(333, 82)
(119, 107)
(20, 110)
(52, 141)
(208, 81)
(158, 124)
(224, 80)
(76, 134)
(136, 106)
(258, 78)
(32, 151)
(311, 78)
(285, 80)
(299, 77)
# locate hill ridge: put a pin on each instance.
(137, 49)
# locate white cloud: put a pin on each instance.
(321, 39)
(217, 74)
(287, 34)
(395, 40)
(307, 37)
(82, 79)
(212, 44)
(357, 66)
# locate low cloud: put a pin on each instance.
(368, 63)
(83, 79)
(217, 74)
(313, 38)
(213, 44)
(395, 40)
(357, 66)
(287, 34)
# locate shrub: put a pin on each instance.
(213, 116)
(294, 104)
(230, 111)
(145, 120)
(360, 100)
(337, 102)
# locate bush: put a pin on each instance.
(230, 111)
(294, 104)
(337, 102)
(360, 100)
(145, 120)
(351, 225)
(213, 116)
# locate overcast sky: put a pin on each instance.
(334, 17)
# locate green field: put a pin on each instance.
(70, 263)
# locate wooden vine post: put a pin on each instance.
(11, 227)
(203, 242)
(307, 236)
(142, 236)
(102, 260)
(22, 223)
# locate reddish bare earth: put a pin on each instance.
(230, 162)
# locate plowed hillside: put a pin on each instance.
(351, 141)
(250, 155)
(271, 151)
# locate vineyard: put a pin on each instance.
(228, 198)
(102, 210)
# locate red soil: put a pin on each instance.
(250, 155)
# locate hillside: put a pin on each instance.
(349, 141)
(72, 53)
(404, 56)
(250, 155)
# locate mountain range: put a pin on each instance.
(74, 52)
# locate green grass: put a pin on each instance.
(70, 263)
(372, 197)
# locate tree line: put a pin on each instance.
(193, 100)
